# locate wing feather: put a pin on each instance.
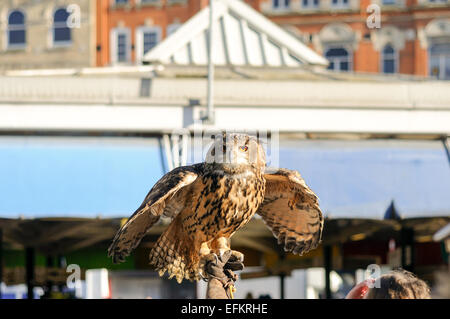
(291, 210)
(166, 197)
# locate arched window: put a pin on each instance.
(389, 59)
(339, 58)
(439, 62)
(16, 36)
(61, 32)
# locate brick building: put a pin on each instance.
(126, 29)
(413, 38)
(47, 34)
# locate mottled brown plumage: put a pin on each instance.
(210, 201)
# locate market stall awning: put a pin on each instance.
(109, 177)
(76, 177)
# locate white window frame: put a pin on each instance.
(340, 4)
(58, 44)
(139, 42)
(350, 57)
(441, 62)
(114, 33)
(310, 4)
(282, 5)
(8, 46)
(395, 56)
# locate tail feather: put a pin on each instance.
(172, 254)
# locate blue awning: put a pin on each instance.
(356, 179)
(76, 177)
(109, 177)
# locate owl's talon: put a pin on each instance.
(238, 256)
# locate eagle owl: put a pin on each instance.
(208, 202)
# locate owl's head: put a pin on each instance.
(237, 149)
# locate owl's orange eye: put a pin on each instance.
(243, 148)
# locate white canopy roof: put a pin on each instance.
(241, 36)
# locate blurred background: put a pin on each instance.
(100, 98)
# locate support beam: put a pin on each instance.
(407, 248)
(327, 265)
(209, 116)
(29, 263)
(90, 241)
(161, 154)
(48, 284)
(282, 277)
(259, 244)
(156, 119)
(282, 286)
(60, 231)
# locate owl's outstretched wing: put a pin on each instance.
(166, 197)
(291, 210)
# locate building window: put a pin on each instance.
(150, 41)
(121, 2)
(388, 2)
(16, 35)
(120, 45)
(280, 4)
(339, 58)
(310, 3)
(339, 3)
(61, 32)
(440, 61)
(438, 1)
(146, 39)
(122, 48)
(389, 59)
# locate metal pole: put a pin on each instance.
(168, 150)
(282, 278)
(61, 263)
(49, 284)
(407, 243)
(327, 265)
(210, 103)
(29, 261)
(161, 154)
(446, 143)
